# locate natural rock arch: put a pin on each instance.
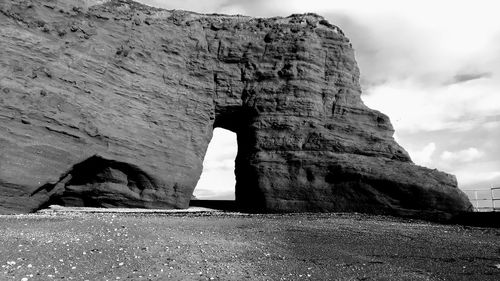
(217, 181)
(145, 87)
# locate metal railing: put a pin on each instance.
(484, 203)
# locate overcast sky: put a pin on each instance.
(432, 66)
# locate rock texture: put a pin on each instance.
(113, 103)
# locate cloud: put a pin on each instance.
(464, 77)
(218, 165)
(475, 179)
(190, 5)
(466, 155)
(423, 157)
(471, 156)
(258, 8)
(217, 180)
(413, 107)
(493, 124)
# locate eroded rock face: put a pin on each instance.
(112, 103)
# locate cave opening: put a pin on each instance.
(216, 186)
(103, 183)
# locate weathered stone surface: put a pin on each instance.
(112, 103)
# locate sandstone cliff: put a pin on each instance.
(113, 103)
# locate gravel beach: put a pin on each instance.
(207, 245)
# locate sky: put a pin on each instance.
(432, 66)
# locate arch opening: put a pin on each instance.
(216, 186)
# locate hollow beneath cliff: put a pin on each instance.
(99, 182)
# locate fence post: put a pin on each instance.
(492, 199)
(477, 201)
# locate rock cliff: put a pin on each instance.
(113, 103)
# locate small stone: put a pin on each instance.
(61, 32)
(77, 9)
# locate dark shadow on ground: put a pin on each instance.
(482, 219)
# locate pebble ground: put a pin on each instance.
(233, 246)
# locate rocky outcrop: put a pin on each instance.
(113, 103)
